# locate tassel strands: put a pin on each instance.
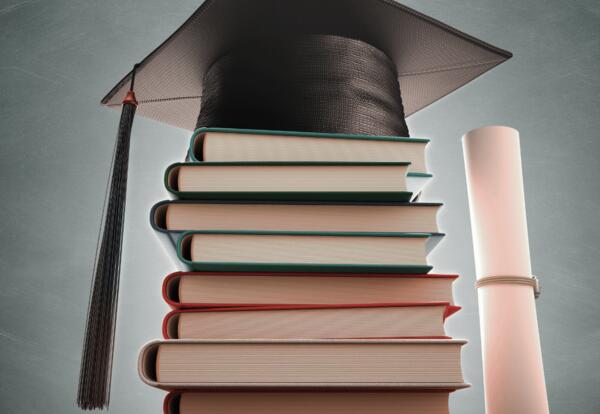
(97, 356)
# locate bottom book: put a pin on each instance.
(302, 402)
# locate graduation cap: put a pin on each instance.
(348, 66)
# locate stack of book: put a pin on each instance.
(308, 286)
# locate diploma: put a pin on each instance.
(513, 373)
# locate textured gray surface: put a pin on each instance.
(59, 57)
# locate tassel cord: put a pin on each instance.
(98, 348)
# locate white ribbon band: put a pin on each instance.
(515, 280)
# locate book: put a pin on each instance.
(302, 402)
(227, 144)
(315, 181)
(399, 320)
(219, 289)
(323, 364)
(182, 215)
(305, 251)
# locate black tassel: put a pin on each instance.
(97, 356)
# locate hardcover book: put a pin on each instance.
(184, 290)
(184, 215)
(306, 251)
(394, 320)
(229, 144)
(425, 401)
(312, 181)
(306, 364)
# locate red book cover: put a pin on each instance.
(173, 398)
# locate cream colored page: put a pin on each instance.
(313, 290)
(302, 217)
(512, 363)
(367, 322)
(292, 178)
(307, 249)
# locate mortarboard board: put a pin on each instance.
(351, 66)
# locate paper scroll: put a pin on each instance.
(512, 361)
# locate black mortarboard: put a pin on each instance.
(351, 66)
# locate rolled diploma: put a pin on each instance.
(513, 373)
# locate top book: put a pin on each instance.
(225, 144)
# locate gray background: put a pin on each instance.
(59, 57)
